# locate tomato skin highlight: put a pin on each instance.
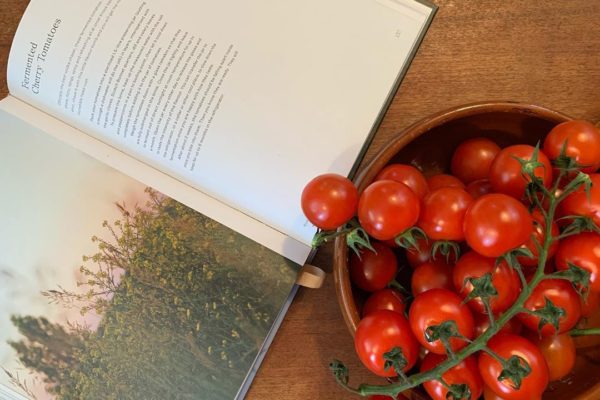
(431, 275)
(384, 299)
(583, 250)
(372, 271)
(505, 172)
(434, 307)
(329, 201)
(561, 293)
(505, 280)
(559, 352)
(578, 203)
(507, 345)
(472, 159)
(496, 223)
(465, 372)
(407, 174)
(443, 213)
(387, 208)
(439, 181)
(379, 333)
(582, 143)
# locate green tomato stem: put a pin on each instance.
(585, 332)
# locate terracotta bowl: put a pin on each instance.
(429, 144)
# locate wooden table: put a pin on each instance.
(543, 52)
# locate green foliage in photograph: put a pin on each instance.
(184, 304)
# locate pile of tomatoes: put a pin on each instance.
(457, 230)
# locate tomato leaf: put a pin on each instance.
(340, 371)
(458, 391)
(515, 369)
(579, 277)
(358, 239)
(409, 239)
(446, 248)
(549, 314)
(444, 332)
(395, 359)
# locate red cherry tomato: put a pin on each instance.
(472, 159)
(496, 223)
(505, 281)
(582, 250)
(439, 181)
(434, 307)
(384, 299)
(377, 334)
(582, 141)
(505, 173)
(372, 271)
(561, 293)
(482, 324)
(387, 208)
(465, 372)
(559, 352)
(329, 201)
(578, 203)
(431, 275)
(416, 257)
(539, 229)
(479, 187)
(590, 304)
(443, 213)
(407, 174)
(505, 346)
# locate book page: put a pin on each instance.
(110, 289)
(244, 101)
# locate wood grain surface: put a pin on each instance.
(537, 51)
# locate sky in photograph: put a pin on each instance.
(53, 200)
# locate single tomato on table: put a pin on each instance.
(329, 201)
(387, 208)
(379, 333)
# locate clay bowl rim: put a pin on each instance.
(367, 174)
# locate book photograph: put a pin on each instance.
(116, 291)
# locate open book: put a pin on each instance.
(167, 143)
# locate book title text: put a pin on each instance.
(34, 66)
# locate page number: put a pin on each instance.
(398, 33)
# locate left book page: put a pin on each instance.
(110, 289)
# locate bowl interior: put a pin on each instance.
(429, 145)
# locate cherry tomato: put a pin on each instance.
(505, 281)
(507, 345)
(539, 229)
(561, 293)
(431, 275)
(443, 213)
(434, 307)
(578, 203)
(482, 324)
(329, 201)
(465, 372)
(416, 257)
(505, 173)
(590, 304)
(387, 208)
(559, 352)
(479, 187)
(372, 271)
(407, 174)
(582, 141)
(377, 334)
(384, 299)
(439, 181)
(582, 250)
(496, 223)
(472, 159)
